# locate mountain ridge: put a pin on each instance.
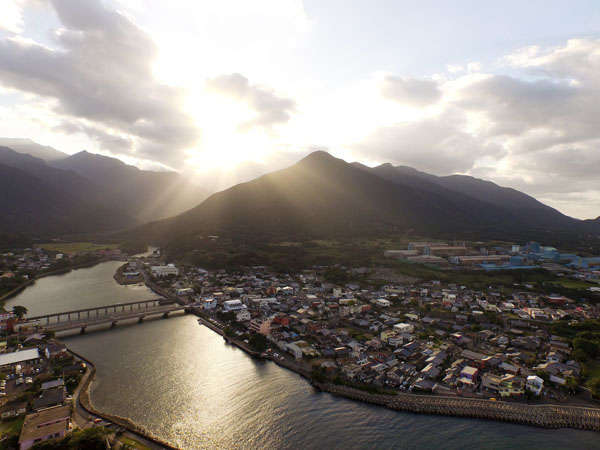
(324, 196)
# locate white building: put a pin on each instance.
(209, 303)
(164, 271)
(535, 384)
(233, 305)
(294, 349)
(404, 327)
(242, 315)
(383, 302)
(14, 358)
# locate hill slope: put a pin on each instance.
(147, 195)
(43, 200)
(32, 148)
(527, 210)
(322, 196)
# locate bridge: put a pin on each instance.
(99, 315)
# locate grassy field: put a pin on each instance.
(574, 284)
(75, 247)
(132, 443)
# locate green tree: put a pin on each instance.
(595, 386)
(19, 311)
(258, 342)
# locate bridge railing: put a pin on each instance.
(142, 305)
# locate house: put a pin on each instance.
(534, 384)
(209, 304)
(294, 349)
(55, 350)
(260, 326)
(164, 271)
(382, 302)
(26, 356)
(52, 384)
(49, 397)
(233, 305)
(52, 423)
(242, 315)
(491, 382)
(13, 409)
(404, 327)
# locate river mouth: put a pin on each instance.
(183, 383)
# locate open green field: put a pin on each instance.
(75, 247)
(574, 284)
(132, 443)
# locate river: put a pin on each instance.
(182, 382)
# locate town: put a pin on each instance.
(508, 342)
(517, 342)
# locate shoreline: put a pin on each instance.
(542, 416)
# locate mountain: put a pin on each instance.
(29, 147)
(526, 209)
(51, 202)
(147, 195)
(322, 196)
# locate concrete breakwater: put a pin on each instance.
(546, 416)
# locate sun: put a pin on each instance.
(226, 141)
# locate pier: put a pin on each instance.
(99, 315)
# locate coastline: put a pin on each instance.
(543, 416)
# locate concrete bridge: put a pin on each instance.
(99, 315)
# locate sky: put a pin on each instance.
(506, 91)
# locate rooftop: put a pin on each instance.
(44, 423)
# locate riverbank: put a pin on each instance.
(544, 416)
(60, 271)
(82, 399)
(123, 280)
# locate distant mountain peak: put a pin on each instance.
(29, 147)
(318, 156)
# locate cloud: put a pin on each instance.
(435, 144)
(101, 71)
(270, 108)
(411, 91)
(535, 129)
(111, 142)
